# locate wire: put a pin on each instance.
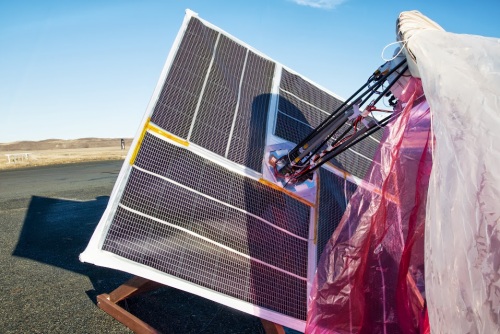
(399, 51)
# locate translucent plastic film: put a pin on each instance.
(370, 278)
(461, 79)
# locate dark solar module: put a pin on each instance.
(296, 85)
(200, 174)
(332, 204)
(291, 129)
(378, 134)
(353, 163)
(240, 231)
(180, 254)
(249, 134)
(218, 105)
(300, 110)
(222, 89)
(177, 102)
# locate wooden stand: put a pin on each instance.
(137, 285)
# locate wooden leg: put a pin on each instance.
(133, 286)
(271, 327)
(108, 303)
(123, 316)
(137, 285)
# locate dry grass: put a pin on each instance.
(55, 152)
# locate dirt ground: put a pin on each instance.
(56, 152)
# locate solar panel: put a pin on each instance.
(190, 208)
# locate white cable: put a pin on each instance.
(397, 54)
(414, 23)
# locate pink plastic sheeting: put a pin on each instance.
(370, 277)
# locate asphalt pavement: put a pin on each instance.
(47, 215)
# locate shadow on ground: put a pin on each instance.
(56, 231)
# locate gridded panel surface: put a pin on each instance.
(188, 257)
(238, 230)
(177, 102)
(300, 110)
(354, 163)
(291, 129)
(202, 175)
(332, 204)
(249, 134)
(296, 85)
(196, 220)
(218, 105)
(377, 135)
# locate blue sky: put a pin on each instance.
(72, 69)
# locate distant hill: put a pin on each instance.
(52, 144)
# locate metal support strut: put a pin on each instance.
(325, 142)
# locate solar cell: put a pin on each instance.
(229, 226)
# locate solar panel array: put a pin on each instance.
(181, 211)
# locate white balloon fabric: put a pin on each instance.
(461, 80)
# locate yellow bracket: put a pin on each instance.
(150, 127)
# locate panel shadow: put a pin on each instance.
(56, 231)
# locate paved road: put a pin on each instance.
(47, 216)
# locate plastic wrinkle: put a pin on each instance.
(370, 276)
(461, 79)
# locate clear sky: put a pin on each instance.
(87, 68)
